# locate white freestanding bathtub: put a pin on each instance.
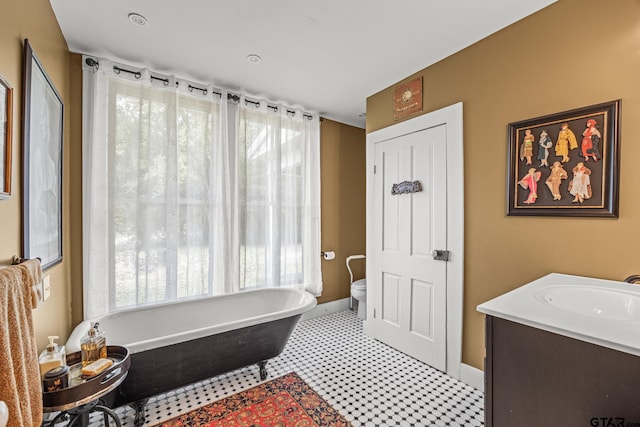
(180, 343)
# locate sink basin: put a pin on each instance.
(598, 311)
(611, 304)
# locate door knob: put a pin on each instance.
(440, 254)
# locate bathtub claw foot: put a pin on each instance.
(263, 370)
(139, 408)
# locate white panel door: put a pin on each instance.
(410, 310)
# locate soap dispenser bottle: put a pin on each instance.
(93, 346)
(52, 356)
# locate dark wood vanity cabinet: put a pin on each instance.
(535, 378)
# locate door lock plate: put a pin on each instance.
(440, 255)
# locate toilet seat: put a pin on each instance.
(359, 285)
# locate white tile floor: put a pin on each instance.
(368, 382)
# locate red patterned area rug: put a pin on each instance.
(283, 402)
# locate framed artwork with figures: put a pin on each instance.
(565, 164)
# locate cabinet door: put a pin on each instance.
(538, 378)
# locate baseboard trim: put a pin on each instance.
(472, 376)
(326, 308)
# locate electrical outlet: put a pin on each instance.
(46, 288)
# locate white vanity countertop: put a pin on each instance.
(532, 305)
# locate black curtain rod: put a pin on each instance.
(203, 90)
(162, 79)
(230, 96)
(138, 75)
(275, 108)
(118, 70)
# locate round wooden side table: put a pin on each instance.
(82, 397)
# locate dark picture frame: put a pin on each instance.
(6, 131)
(42, 163)
(581, 174)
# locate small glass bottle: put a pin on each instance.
(102, 337)
(93, 346)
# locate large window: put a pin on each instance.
(271, 204)
(160, 196)
(189, 195)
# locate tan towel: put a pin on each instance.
(20, 384)
(34, 270)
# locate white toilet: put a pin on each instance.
(359, 292)
(358, 289)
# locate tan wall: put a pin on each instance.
(343, 198)
(574, 53)
(34, 20)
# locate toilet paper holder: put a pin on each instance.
(328, 255)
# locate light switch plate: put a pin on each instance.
(46, 288)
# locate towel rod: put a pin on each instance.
(15, 260)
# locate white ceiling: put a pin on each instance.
(326, 56)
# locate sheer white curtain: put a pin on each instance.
(187, 195)
(156, 188)
(279, 188)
